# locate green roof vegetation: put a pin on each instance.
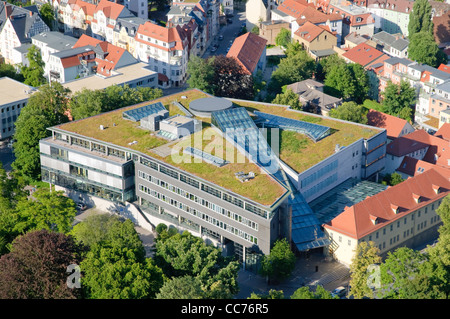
(119, 131)
(299, 151)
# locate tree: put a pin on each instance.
(307, 293)
(392, 179)
(185, 255)
(231, 79)
(273, 294)
(52, 211)
(47, 107)
(293, 68)
(350, 111)
(186, 287)
(424, 49)
(283, 38)
(399, 273)
(47, 14)
(398, 99)
(87, 103)
(116, 249)
(201, 73)
(36, 267)
(366, 255)
(348, 81)
(34, 73)
(288, 98)
(420, 19)
(280, 262)
(11, 72)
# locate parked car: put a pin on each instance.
(81, 206)
(229, 21)
(339, 291)
(213, 49)
(221, 37)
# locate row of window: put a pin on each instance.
(203, 216)
(319, 173)
(206, 188)
(198, 200)
(13, 107)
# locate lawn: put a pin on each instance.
(300, 152)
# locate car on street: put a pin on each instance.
(81, 206)
(229, 21)
(221, 37)
(213, 49)
(339, 291)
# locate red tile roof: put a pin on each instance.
(445, 68)
(160, 33)
(293, 8)
(314, 16)
(247, 50)
(408, 143)
(111, 10)
(412, 166)
(392, 124)
(377, 211)
(444, 132)
(309, 31)
(363, 54)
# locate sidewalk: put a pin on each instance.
(330, 274)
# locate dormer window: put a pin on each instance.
(394, 208)
(416, 198)
(373, 219)
(358, 19)
(436, 188)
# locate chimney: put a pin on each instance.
(31, 13)
(8, 10)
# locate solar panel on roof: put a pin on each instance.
(205, 156)
(312, 130)
(143, 111)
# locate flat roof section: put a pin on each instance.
(12, 91)
(205, 106)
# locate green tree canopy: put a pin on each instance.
(34, 73)
(47, 14)
(293, 68)
(420, 18)
(280, 262)
(307, 293)
(365, 256)
(47, 210)
(283, 38)
(424, 49)
(398, 99)
(47, 107)
(201, 73)
(350, 111)
(288, 98)
(185, 287)
(186, 255)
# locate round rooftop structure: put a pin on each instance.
(205, 106)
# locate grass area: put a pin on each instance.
(262, 189)
(374, 105)
(300, 152)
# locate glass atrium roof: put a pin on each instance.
(240, 129)
(143, 111)
(312, 130)
(205, 156)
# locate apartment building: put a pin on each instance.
(240, 206)
(249, 50)
(74, 16)
(14, 97)
(17, 26)
(402, 215)
(317, 40)
(165, 49)
(105, 18)
(124, 33)
(138, 7)
(257, 11)
(393, 44)
(395, 126)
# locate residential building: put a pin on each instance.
(74, 17)
(396, 16)
(250, 51)
(353, 39)
(270, 29)
(124, 33)
(355, 19)
(411, 167)
(444, 117)
(228, 6)
(138, 7)
(134, 75)
(364, 54)
(402, 215)
(92, 159)
(52, 42)
(395, 126)
(312, 97)
(257, 11)
(14, 97)
(317, 40)
(105, 18)
(165, 49)
(393, 44)
(17, 26)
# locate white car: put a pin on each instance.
(81, 206)
(339, 291)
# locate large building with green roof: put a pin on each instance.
(240, 178)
